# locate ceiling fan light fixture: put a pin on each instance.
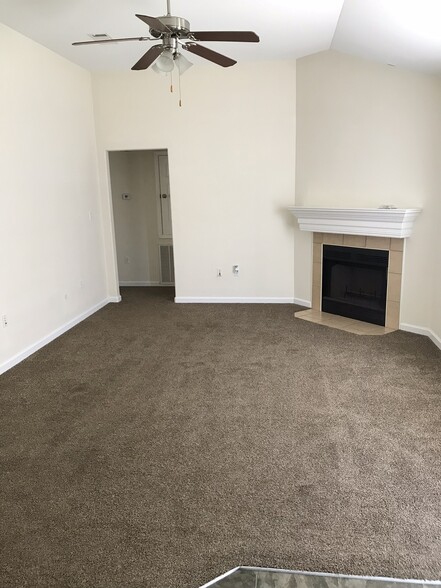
(164, 64)
(182, 63)
(156, 69)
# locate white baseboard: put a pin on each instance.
(10, 363)
(231, 300)
(141, 283)
(113, 299)
(422, 331)
(301, 302)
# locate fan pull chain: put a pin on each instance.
(179, 85)
(171, 81)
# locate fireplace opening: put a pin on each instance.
(354, 283)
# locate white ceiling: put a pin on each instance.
(406, 33)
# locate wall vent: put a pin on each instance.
(167, 264)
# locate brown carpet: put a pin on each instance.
(159, 445)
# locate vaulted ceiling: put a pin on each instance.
(405, 33)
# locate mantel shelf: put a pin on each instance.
(376, 222)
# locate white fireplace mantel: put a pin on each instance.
(376, 222)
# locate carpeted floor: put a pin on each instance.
(159, 445)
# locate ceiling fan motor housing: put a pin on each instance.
(178, 26)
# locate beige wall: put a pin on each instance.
(136, 226)
(436, 263)
(367, 135)
(436, 322)
(231, 155)
(51, 253)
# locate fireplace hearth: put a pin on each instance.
(354, 283)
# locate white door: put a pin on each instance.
(164, 206)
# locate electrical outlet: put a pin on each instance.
(235, 270)
(4, 321)
(219, 273)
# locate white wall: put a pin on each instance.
(136, 223)
(232, 160)
(51, 254)
(368, 134)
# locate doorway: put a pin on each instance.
(141, 200)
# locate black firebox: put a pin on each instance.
(355, 283)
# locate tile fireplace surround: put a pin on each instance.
(383, 228)
(395, 269)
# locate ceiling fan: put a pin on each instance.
(175, 33)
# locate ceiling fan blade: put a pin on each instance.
(114, 40)
(206, 53)
(236, 36)
(148, 58)
(154, 23)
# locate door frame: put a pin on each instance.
(111, 265)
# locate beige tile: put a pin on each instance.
(317, 297)
(378, 243)
(353, 323)
(332, 239)
(316, 274)
(317, 237)
(354, 240)
(371, 333)
(312, 315)
(394, 287)
(341, 323)
(395, 262)
(328, 316)
(334, 320)
(317, 253)
(312, 318)
(397, 244)
(308, 312)
(305, 317)
(392, 314)
(368, 329)
(354, 327)
(363, 328)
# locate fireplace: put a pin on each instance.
(381, 233)
(354, 283)
(381, 258)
